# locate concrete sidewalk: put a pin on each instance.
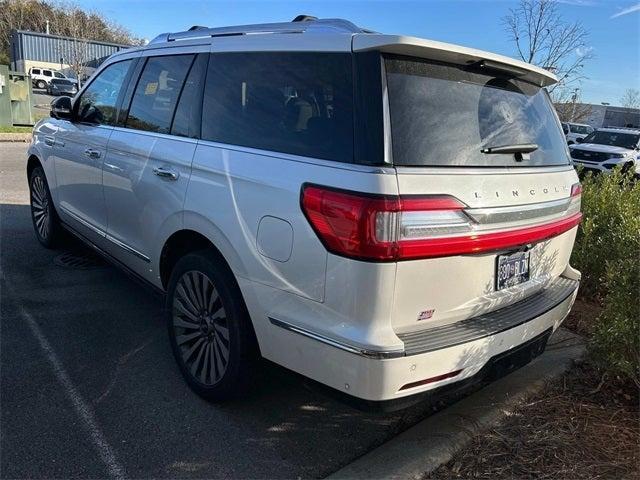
(435, 440)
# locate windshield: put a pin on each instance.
(444, 115)
(580, 129)
(615, 139)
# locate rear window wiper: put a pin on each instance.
(517, 148)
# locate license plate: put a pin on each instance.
(512, 269)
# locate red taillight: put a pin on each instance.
(576, 189)
(390, 228)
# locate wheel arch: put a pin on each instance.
(33, 162)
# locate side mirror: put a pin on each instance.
(579, 140)
(62, 108)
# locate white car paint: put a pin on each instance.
(341, 316)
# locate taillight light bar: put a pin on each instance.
(391, 228)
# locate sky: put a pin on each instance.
(613, 26)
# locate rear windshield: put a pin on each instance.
(580, 129)
(614, 139)
(444, 115)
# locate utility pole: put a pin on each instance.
(574, 98)
(47, 27)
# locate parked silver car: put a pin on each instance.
(384, 214)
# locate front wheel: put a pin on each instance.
(209, 328)
(45, 220)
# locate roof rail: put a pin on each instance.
(301, 24)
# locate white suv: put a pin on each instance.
(575, 131)
(41, 77)
(384, 214)
(607, 148)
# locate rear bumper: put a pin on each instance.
(438, 358)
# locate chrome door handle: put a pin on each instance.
(91, 153)
(166, 173)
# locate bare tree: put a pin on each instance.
(543, 38)
(631, 98)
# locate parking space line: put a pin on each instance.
(83, 410)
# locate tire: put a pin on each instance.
(201, 331)
(41, 84)
(46, 223)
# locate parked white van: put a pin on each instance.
(384, 214)
(574, 132)
(41, 77)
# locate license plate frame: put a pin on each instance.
(512, 269)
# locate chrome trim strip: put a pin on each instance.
(78, 219)
(356, 167)
(373, 354)
(460, 170)
(129, 249)
(518, 212)
(122, 245)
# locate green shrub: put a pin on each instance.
(607, 252)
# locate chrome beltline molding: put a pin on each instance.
(376, 354)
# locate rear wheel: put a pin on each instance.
(45, 220)
(41, 84)
(209, 328)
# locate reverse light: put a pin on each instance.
(391, 228)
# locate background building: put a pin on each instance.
(33, 49)
(599, 116)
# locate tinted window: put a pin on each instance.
(186, 121)
(156, 94)
(99, 101)
(46, 73)
(299, 103)
(444, 115)
(580, 129)
(35, 71)
(614, 139)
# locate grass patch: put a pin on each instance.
(4, 129)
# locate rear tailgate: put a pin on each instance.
(483, 140)
(435, 291)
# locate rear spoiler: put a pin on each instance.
(450, 53)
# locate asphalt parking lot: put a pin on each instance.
(88, 386)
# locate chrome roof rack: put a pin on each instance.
(301, 24)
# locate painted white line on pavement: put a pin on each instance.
(82, 409)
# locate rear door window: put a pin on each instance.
(35, 71)
(298, 103)
(47, 73)
(445, 115)
(156, 95)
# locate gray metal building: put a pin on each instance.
(33, 49)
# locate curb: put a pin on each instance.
(434, 441)
(15, 137)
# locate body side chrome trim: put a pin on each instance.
(127, 248)
(374, 354)
(84, 222)
(382, 169)
(112, 239)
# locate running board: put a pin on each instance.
(490, 323)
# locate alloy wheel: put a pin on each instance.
(200, 327)
(40, 207)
